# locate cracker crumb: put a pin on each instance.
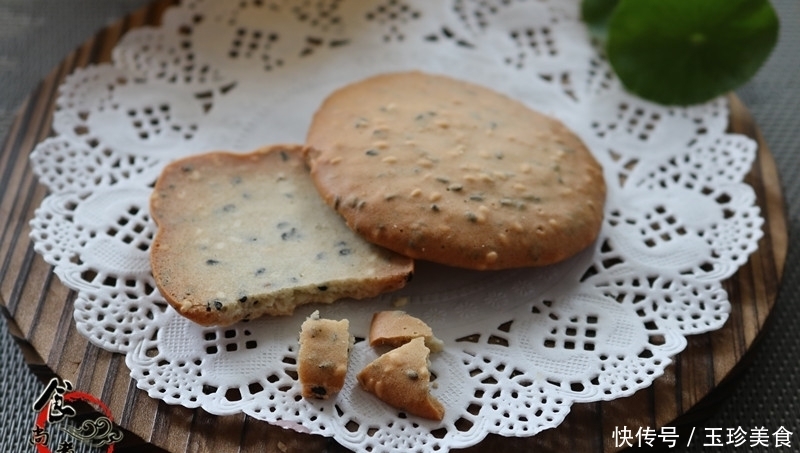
(400, 302)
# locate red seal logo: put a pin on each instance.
(53, 409)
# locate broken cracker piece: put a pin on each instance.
(247, 235)
(323, 355)
(401, 378)
(396, 327)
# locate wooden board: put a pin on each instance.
(39, 311)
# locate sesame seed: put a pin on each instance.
(426, 163)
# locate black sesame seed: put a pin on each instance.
(260, 271)
(319, 390)
(322, 287)
(345, 252)
(218, 305)
(284, 156)
(371, 152)
(243, 299)
(286, 235)
(212, 262)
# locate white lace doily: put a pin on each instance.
(522, 346)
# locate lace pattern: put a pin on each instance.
(522, 346)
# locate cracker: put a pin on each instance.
(401, 378)
(323, 356)
(245, 235)
(395, 328)
(447, 171)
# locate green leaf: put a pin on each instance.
(689, 51)
(596, 13)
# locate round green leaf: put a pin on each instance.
(689, 51)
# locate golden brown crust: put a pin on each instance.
(245, 235)
(395, 328)
(447, 171)
(401, 379)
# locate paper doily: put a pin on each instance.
(522, 346)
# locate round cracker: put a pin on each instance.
(451, 172)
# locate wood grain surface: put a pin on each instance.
(39, 311)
